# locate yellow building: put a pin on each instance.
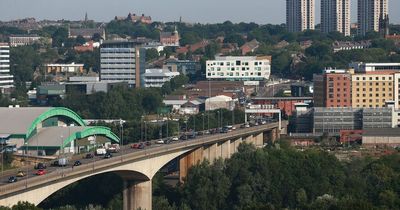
(372, 89)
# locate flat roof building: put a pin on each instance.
(371, 14)
(241, 68)
(335, 16)
(122, 61)
(6, 79)
(157, 77)
(300, 15)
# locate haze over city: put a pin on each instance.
(206, 11)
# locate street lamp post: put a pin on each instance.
(203, 120)
(167, 125)
(26, 161)
(218, 119)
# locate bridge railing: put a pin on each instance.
(104, 165)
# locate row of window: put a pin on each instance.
(371, 89)
(371, 78)
(376, 83)
(237, 63)
(377, 95)
(230, 74)
(236, 69)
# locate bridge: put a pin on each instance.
(138, 167)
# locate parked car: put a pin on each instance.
(40, 166)
(40, 172)
(12, 179)
(183, 137)
(21, 174)
(174, 138)
(167, 141)
(148, 143)
(108, 155)
(77, 163)
(89, 156)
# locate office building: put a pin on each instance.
(335, 16)
(334, 120)
(242, 68)
(332, 89)
(182, 66)
(371, 15)
(157, 77)
(300, 15)
(122, 61)
(360, 67)
(6, 79)
(372, 89)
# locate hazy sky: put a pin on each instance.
(203, 11)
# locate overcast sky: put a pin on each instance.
(203, 11)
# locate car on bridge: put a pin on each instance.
(12, 179)
(107, 155)
(77, 163)
(40, 166)
(160, 141)
(89, 156)
(21, 174)
(41, 172)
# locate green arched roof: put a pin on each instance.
(91, 131)
(57, 111)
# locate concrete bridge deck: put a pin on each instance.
(136, 166)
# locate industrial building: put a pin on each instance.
(49, 131)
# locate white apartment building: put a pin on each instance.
(244, 68)
(300, 15)
(157, 77)
(6, 79)
(122, 61)
(335, 16)
(370, 12)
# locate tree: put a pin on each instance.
(59, 36)
(80, 40)
(152, 54)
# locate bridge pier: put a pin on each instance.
(137, 194)
(235, 144)
(226, 149)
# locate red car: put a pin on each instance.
(135, 146)
(40, 172)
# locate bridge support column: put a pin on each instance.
(259, 141)
(273, 135)
(226, 149)
(212, 152)
(137, 194)
(188, 160)
(235, 144)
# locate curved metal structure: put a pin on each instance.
(90, 131)
(57, 111)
